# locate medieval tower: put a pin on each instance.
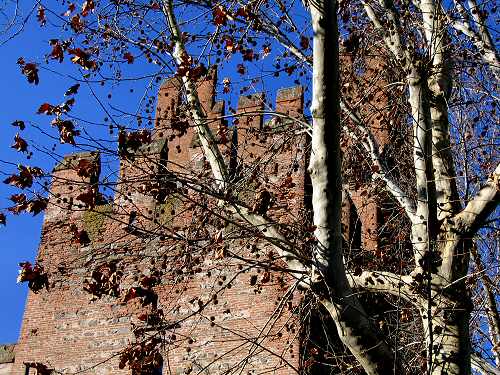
(223, 313)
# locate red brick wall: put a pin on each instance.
(249, 322)
(367, 86)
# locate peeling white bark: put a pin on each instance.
(392, 39)
(464, 225)
(454, 247)
(386, 282)
(357, 335)
(421, 156)
(449, 324)
(439, 83)
(325, 162)
(481, 205)
(329, 274)
(420, 116)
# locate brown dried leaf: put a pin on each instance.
(82, 58)
(57, 52)
(19, 144)
(72, 90)
(220, 15)
(30, 70)
(86, 168)
(77, 24)
(40, 16)
(47, 109)
(129, 57)
(20, 124)
(35, 206)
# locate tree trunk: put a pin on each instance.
(329, 275)
(447, 332)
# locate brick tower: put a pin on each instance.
(227, 314)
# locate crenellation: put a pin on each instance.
(71, 161)
(290, 101)
(249, 111)
(169, 98)
(139, 177)
(251, 100)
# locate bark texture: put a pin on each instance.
(329, 274)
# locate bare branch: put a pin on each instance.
(482, 366)
(272, 234)
(354, 329)
(392, 39)
(370, 144)
(480, 36)
(212, 152)
(420, 116)
(481, 206)
(492, 313)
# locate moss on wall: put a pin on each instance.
(167, 210)
(93, 220)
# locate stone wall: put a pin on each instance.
(7, 354)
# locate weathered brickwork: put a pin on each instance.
(6, 358)
(231, 317)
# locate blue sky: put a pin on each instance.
(20, 100)
(19, 239)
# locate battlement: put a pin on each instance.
(174, 145)
(71, 161)
(290, 101)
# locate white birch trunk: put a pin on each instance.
(445, 332)
(440, 84)
(421, 157)
(329, 274)
(447, 329)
